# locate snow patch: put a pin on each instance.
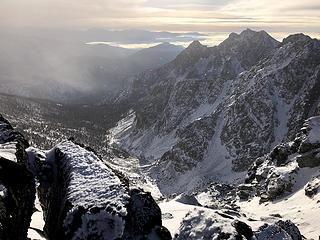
(314, 133)
(92, 183)
(8, 151)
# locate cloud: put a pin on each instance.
(184, 15)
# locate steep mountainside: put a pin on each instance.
(209, 113)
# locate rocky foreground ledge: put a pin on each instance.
(17, 185)
(81, 197)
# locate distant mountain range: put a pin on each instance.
(72, 71)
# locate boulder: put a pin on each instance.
(218, 196)
(280, 154)
(272, 232)
(209, 224)
(281, 230)
(188, 199)
(245, 191)
(202, 224)
(243, 229)
(312, 187)
(309, 136)
(291, 229)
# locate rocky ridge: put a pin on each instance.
(211, 112)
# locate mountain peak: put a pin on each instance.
(168, 46)
(196, 45)
(251, 36)
(245, 33)
(299, 37)
(248, 31)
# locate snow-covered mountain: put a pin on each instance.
(226, 140)
(211, 112)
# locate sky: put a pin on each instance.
(178, 15)
(207, 16)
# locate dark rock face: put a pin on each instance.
(291, 229)
(191, 147)
(310, 159)
(82, 198)
(17, 185)
(280, 230)
(243, 229)
(143, 214)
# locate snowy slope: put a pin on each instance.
(288, 181)
(297, 207)
(35, 231)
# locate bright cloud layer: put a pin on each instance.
(184, 15)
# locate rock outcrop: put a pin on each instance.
(312, 187)
(208, 224)
(82, 198)
(284, 230)
(17, 185)
(275, 174)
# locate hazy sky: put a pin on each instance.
(178, 15)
